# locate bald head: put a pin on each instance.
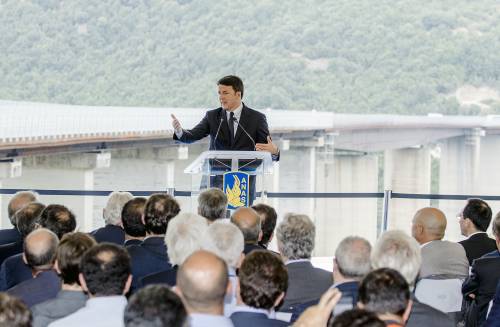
(18, 201)
(40, 249)
(429, 224)
(202, 282)
(248, 221)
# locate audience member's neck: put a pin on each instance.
(391, 317)
(71, 287)
(39, 270)
(428, 238)
(338, 278)
(128, 237)
(217, 310)
(154, 235)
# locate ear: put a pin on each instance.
(56, 266)
(177, 291)
(360, 305)
(24, 259)
(260, 236)
(83, 284)
(278, 300)
(142, 219)
(406, 314)
(127, 285)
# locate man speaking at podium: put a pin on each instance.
(233, 126)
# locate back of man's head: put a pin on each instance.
(112, 212)
(27, 217)
(357, 318)
(40, 249)
(58, 219)
(352, 257)
(13, 312)
(184, 235)
(428, 224)
(105, 270)
(131, 215)
(159, 209)
(69, 254)
(155, 306)
(384, 291)
(295, 236)
(212, 204)
(202, 282)
(263, 280)
(19, 200)
(479, 212)
(268, 219)
(248, 221)
(396, 250)
(225, 240)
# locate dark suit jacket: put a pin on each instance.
(424, 315)
(494, 316)
(148, 257)
(253, 122)
(251, 319)
(131, 242)
(9, 235)
(482, 282)
(64, 304)
(43, 287)
(14, 271)
(478, 245)
(10, 249)
(305, 283)
(168, 277)
(109, 233)
(252, 247)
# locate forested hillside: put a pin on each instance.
(386, 56)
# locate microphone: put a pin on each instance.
(217, 133)
(244, 130)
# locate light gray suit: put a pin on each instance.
(444, 258)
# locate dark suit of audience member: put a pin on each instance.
(485, 274)
(151, 255)
(14, 271)
(251, 247)
(478, 245)
(252, 319)
(9, 235)
(109, 233)
(132, 242)
(43, 287)
(494, 315)
(10, 249)
(422, 314)
(168, 277)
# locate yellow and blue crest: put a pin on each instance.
(236, 187)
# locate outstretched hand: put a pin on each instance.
(269, 146)
(175, 123)
(318, 315)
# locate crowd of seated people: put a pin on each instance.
(151, 265)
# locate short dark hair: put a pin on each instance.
(159, 209)
(212, 204)
(155, 306)
(132, 217)
(27, 217)
(58, 219)
(13, 312)
(234, 81)
(384, 291)
(105, 268)
(357, 318)
(263, 277)
(479, 212)
(69, 254)
(267, 222)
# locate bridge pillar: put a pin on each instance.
(337, 218)
(406, 171)
(65, 172)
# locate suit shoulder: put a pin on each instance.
(254, 112)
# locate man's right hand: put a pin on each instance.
(175, 123)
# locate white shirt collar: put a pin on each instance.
(297, 260)
(237, 112)
(246, 308)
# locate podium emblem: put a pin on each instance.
(235, 186)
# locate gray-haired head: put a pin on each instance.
(113, 210)
(353, 257)
(183, 237)
(18, 201)
(397, 250)
(212, 204)
(40, 249)
(248, 221)
(226, 241)
(295, 236)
